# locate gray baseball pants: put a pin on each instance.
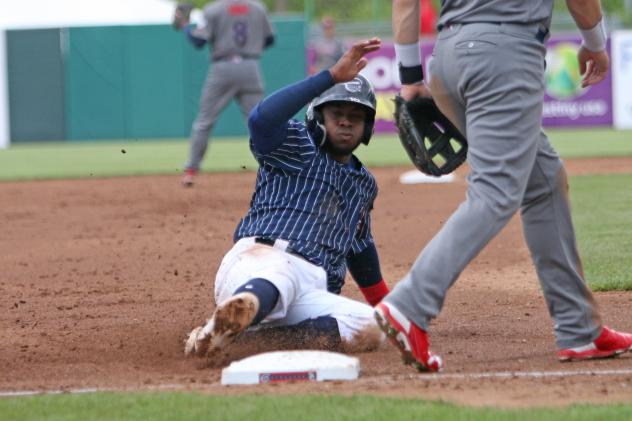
(239, 79)
(489, 80)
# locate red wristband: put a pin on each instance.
(375, 293)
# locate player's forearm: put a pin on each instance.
(365, 266)
(365, 269)
(268, 120)
(286, 102)
(407, 46)
(586, 13)
(406, 21)
(589, 19)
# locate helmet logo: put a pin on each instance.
(354, 86)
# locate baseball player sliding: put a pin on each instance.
(309, 218)
(237, 31)
(487, 77)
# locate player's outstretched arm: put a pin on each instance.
(353, 61)
(593, 58)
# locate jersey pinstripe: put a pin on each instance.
(320, 206)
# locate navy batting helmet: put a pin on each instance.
(358, 91)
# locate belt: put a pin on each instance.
(235, 58)
(540, 35)
(282, 245)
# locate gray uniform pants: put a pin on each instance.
(239, 79)
(489, 80)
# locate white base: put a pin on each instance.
(286, 366)
(417, 177)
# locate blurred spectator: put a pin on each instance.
(427, 18)
(328, 47)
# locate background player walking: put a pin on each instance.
(309, 218)
(487, 77)
(236, 31)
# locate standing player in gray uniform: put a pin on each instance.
(237, 31)
(487, 77)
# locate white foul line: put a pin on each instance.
(515, 374)
(420, 376)
(18, 393)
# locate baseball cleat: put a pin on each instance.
(411, 340)
(188, 179)
(196, 343)
(230, 318)
(609, 344)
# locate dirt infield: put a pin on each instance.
(102, 278)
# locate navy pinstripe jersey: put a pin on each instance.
(321, 206)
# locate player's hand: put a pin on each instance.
(408, 92)
(353, 60)
(593, 66)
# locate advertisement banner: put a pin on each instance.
(622, 82)
(566, 104)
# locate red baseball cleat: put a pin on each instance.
(411, 341)
(188, 179)
(609, 344)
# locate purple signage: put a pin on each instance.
(566, 104)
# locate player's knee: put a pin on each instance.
(323, 329)
(358, 335)
(266, 293)
(561, 179)
(202, 125)
(502, 203)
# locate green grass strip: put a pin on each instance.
(138, 157)
(193, 406)
(602, 212)
(116, 158)
(591, 143)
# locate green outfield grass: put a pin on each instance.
(591, 143)
(116, 158)
(136, 157)
(193, 406)
(602, 212)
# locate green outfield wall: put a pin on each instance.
(125, 82)
(36, 85)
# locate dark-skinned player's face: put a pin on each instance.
(344, 122)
